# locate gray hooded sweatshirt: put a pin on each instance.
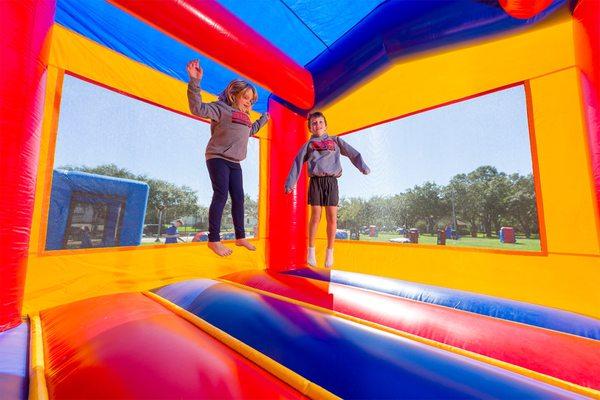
(322, 157)
(229, 128)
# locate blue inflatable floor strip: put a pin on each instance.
(14, 349)
(346, 358)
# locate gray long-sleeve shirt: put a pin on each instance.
(229, 128)
(322, 157)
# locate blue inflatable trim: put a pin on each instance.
(511, 310)
(184, 293)
(348, 359)
(400, 28)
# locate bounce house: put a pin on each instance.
(389, 320)
(121, 202)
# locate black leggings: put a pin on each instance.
(226, 177)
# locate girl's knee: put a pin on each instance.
(219, 198)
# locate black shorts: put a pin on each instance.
(323, 191)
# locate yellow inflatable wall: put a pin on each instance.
(563, 275)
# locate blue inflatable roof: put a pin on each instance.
(340, 41)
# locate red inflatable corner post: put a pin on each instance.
(586, 29)
(25, 29)
(524, 9)
(287, 235)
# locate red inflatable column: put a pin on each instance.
(25, 27)
(287, 236)
(587, 50)
(524, 9)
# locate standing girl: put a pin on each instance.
(322, 156)
(230, 128)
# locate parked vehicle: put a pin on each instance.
(203, 236)
(200, 237)
(342, 234)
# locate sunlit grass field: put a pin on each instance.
(481, 241)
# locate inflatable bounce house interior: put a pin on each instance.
(120, 319)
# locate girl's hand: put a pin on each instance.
(268, 116)
(194, 70)
(288, 191)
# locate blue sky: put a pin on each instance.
(97, 126)
(440, 143)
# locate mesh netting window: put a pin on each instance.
(111, 135)
(459, 174)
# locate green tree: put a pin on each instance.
(427, 203)
(106, 169)
(400, 211)
(201, 218)
(491, 189)
(467, 204)
(379, 209)
(353, 213)
(521, 203)
(170, 201)
(250, 210)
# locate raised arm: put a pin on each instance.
(197, 107)
(259, 123)
(353, 155)
(292, 178)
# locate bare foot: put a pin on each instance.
(245, 243)
(219, 249)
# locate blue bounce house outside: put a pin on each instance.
(110, 209)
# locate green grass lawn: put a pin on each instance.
(481, 241)
(151, 244)
(466, 241)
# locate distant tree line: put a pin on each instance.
(483, 199)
